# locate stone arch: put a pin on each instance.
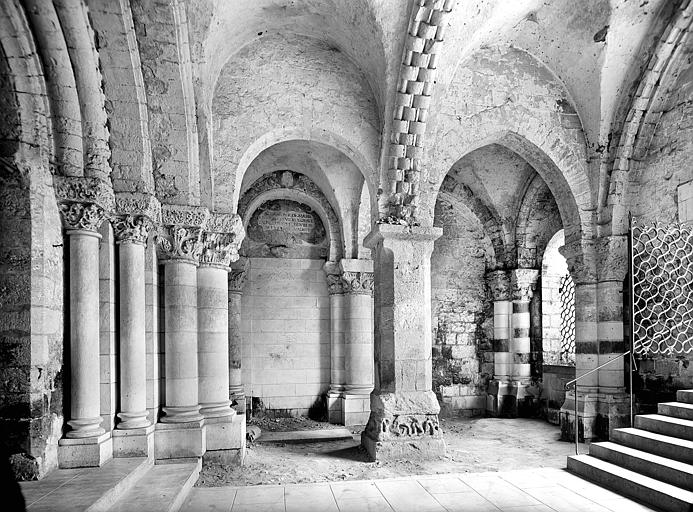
(321, 96)
(31, 269)
(270, 187)
(671, 57)
(537, 221)
(487, 215)
(274, 137)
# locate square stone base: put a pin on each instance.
(335, 409)
(357, 409)
(88, 452)
(180, 440)
(226, 434)
(136, 442)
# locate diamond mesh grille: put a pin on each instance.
(663, 299)
(567, 291)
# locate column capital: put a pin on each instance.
(357, 283)
(237, 274)
(334, 278)
(136, 214)
(523, 282)
(221, 239)
(84, 202)
(612, 256)
(180, 232)
(498, 282)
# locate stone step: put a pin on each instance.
(676, 410)
(629, 483)
(658, 444)
(670, 471)
(305, 436)
(685, 396)
(162, 489)
(666, 425)
(85, 489)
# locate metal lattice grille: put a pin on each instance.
(567, 291)
(663, 299)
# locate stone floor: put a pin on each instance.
(530, 490)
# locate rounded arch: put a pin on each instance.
(322, 136)
(263, 190)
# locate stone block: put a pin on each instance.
(179, 440)
(225, 433)
(85, 452)
(137, 442)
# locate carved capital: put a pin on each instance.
(84, 202)
(136, 214)
(132, 228)
(334, 278)
(237, 275)
(498, 283)
(179, 236)
(357, 283)
(523, 282)
(222, 239)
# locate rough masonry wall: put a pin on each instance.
(659, 185)
(310, 90)
(285, 324)
(462, 316)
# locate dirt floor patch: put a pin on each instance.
(474, 445)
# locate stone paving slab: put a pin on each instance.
(533, 490)
(305, 436)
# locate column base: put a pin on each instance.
(217, 410)
(335, 408)
(183, 415)
(511, 399)
(136, 442)
(238, 402)
(85, 452)
(180, 440)
(403, 425)
(588, 404)
(357, 409)
(225, 439)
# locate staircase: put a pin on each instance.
(652, 462)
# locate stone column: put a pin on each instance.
(357, 286)
(497, 403)
(181, 431)
(404, 410)
(131, 226)
(84, 204)
(236, 276)
(614, 406)
(335, 395)
(220, 243)
(523, 282)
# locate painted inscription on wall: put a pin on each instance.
(286, 229)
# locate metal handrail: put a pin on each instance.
(575, 381)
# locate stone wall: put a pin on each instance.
(285, 324)
(661, 191)
(462, 317)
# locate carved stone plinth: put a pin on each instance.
(403, 425)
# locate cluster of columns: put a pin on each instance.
(350, 285)
(511, 292)
(196, 248)
(603, 403)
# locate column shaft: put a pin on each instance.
(85, 419)
(133, 352)
(213, 347)
(180, 316)
(358, 344)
